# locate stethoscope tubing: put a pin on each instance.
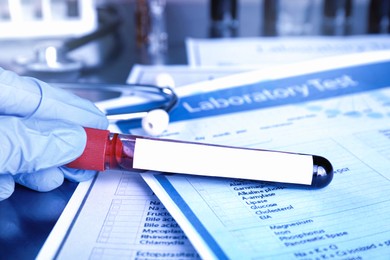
(170, 97)
(167, 92)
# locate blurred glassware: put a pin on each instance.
(290, 18)
(151, 25)
(379, 17)
(337, 17)
(224, 18)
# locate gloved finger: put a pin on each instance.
(32, 145)
(7, 186)
(43, 180)
(29, 97)
(18, 96)
(77, 175)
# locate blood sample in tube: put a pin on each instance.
(105, 150)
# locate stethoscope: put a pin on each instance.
(154, 121)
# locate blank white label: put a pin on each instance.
(208, 160)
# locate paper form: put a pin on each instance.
(118, 217)
(181, 74)
(341, 114)
(262, 52)
(204, 131)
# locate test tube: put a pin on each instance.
(224, 19)
(289, 18)
(379, 17)
(151, 26)
(270, 11)
(158, 36)
(337, 17)
(105, 150)
(142, 21)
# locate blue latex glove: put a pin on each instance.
(41, 129)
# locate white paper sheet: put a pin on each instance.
(181, 75)
(263, 52)
(116, 216)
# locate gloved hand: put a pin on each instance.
(41, 129)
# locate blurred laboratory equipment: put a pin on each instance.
(290, 18)
(65, 58)
(151, 31)
(324, 17)
(53, 57)
(337, 17)
(30, 18)
(224, 18)
(379, 16)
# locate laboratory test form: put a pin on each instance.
(252, 215)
